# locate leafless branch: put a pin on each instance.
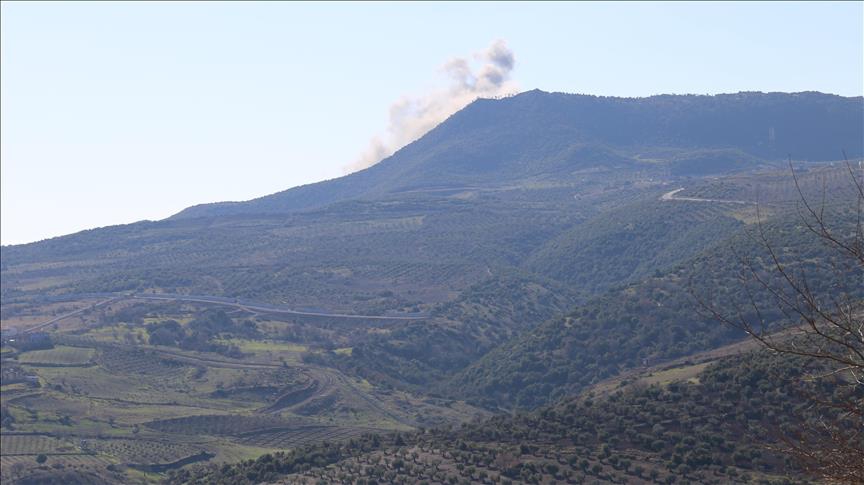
(823, 324)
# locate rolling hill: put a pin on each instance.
(519, 255)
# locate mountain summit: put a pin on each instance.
(552, 135)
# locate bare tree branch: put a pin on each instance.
(824, 324)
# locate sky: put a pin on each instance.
(117, 112)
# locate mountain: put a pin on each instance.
(550, 199)
(520, 256)
(552, 135)
(491, 186)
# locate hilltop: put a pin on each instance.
(552, 135)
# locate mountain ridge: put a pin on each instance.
(539, 245)
(540, 134)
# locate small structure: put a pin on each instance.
(13, 374)
(31, 341)
(7, 334)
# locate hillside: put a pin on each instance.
(676, 429)
(660, 317)
(551, 135)
(629, 242)
(500, 183)
(524, 251)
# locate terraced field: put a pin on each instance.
(61, 356)
(141, 451)
(225, 425)
(74, 469)
(80, 460)
(124, 360)
(294, 437)
(22, 445)
(107, 397)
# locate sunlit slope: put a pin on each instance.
(538, 134)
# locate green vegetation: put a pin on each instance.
(58, 356)
(632, 242)
(198, 334)
(520, 259)
(710, 432)
(148, 405)
(655, 320)
(484, 316)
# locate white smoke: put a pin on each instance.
(413, 116)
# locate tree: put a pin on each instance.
(822, 320)
(41, 458)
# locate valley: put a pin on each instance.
(102, 385)
(522, 295)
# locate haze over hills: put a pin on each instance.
(517, 256)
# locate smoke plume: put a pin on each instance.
(486, 74)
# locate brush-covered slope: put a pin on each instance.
(538, 134)
(714, 428)
(630, 242)
(481, 318)
(663, 317)
(544, 148)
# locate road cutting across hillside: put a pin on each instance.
(672, 195)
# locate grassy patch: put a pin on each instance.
(60, 355)
(688, 373)
(13, 445)
(259, 346)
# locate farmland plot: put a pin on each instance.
(145, 452)
(23, 445)
(58, 356)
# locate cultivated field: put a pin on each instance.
(109, 397)
(58, 356)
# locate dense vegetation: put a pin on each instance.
(651, 321)
(200, 332)
(711, 429)
(483, 317)
(632, 242)
(523, 255)
(536, 133)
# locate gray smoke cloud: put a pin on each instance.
(485, 74)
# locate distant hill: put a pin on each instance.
(551, 135)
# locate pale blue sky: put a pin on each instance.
(117, 112)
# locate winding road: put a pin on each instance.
(272, 309)
(70, 314)
(217, 300)
(672, 195)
